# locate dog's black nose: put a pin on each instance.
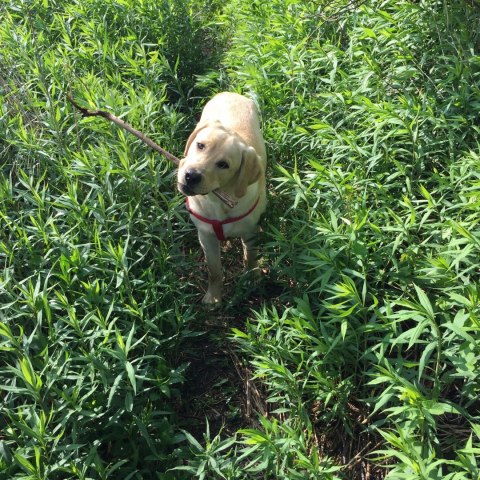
(192, 177)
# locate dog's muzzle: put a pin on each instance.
(185, 190)
(192, 178)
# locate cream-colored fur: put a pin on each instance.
(226, 151)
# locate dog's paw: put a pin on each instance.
(212, 298)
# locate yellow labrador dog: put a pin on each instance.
(226, 151)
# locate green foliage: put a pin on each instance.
(91, 318)
(371, 116)
(369, 354)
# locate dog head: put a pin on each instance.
(216, 158)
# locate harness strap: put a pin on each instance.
(217, 225)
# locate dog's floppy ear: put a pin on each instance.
(192, 136)
(249, 172)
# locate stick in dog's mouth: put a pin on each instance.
(224, 197)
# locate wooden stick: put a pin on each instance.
(109, 116)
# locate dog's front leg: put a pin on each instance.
(211, 248)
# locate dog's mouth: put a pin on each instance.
(186, 190)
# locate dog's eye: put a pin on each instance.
(200, 146)
(222, 164)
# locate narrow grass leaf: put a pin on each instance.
(131, 376)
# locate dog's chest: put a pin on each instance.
(212, 219)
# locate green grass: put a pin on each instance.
(357, 356)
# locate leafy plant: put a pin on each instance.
(363, 342)
(370, 123)
(90, 317)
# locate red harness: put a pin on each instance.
(218, 224)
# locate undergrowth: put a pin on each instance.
(371, 117)
(93, 313)
(359, 351)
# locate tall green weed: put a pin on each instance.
(91, 319)
(368, 356)
(371, 119)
